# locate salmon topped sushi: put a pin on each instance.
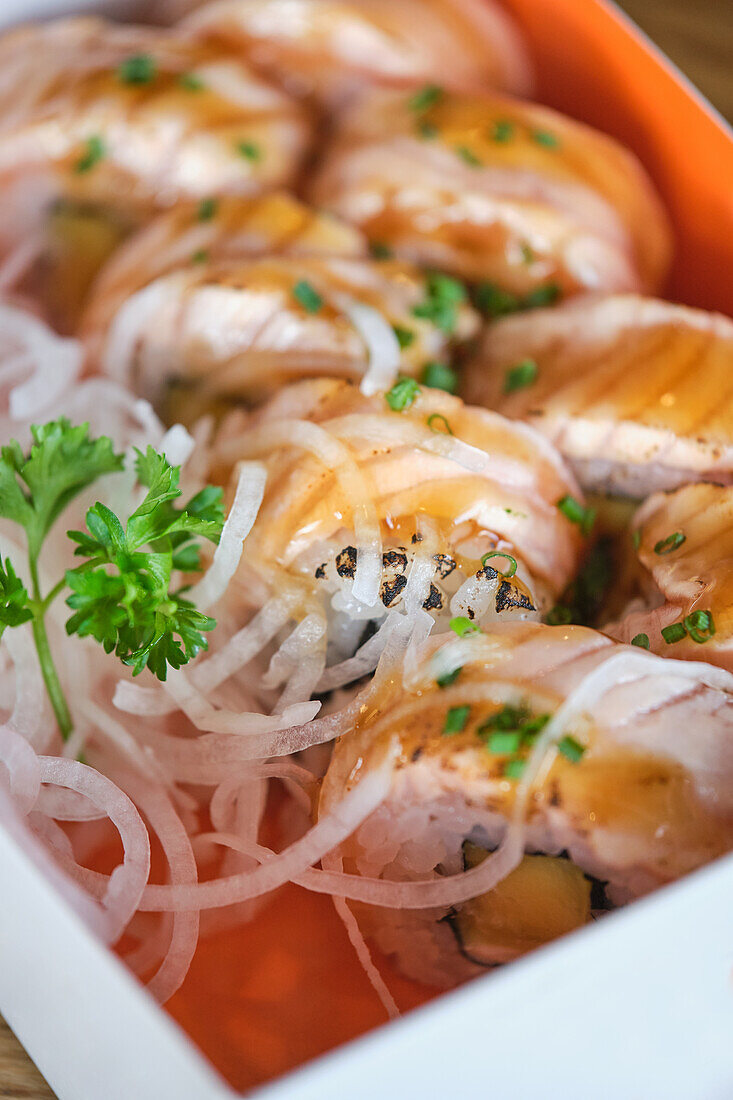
(684, 543)
(385, 507)
(636, 393)
(330, 49)
(496, 191)
(542, 775)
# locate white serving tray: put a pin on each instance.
(637, 1007)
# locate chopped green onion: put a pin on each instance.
(545, 295)
(405, 336)
(249, 150)
(427, 130)
(498, 554)
(508, 718)
(544, 137)
(206, 210)
(201, 256)
(443, 297)
(468, 156)
(505, 741)
(495, 302)
(308, 296)
(573, 510)
(520, 376)
(700, 626)
(455, 719)
(675, 632)
(514, 769)
(438, 418)
(439, 376)
(425, 97)
(191, 82)
(642, 640)
(462, 626)
(380, 251)
(402, 394)
(672, 542)
(94, 151)
(140, 69)
(502, 130)
(449, 678)
(559, 615)
(570, 748)
(528, 256)
(636, 539)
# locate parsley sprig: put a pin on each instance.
(121, 592)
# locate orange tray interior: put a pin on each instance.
(263, 999)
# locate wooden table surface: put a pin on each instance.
(698, 36)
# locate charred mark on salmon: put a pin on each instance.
(444, 565)
(509, 596)
(434, 600)
(346, 562)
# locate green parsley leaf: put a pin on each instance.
(402, 395)
(520, 376)
(308, 296)
(140, 69)
(14, 608)
(455, 719)
(439, 376)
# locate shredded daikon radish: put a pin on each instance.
(381, 342)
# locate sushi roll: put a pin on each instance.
(234, 330)
(543, 775)
(683, 607)
(329, 49)
(635, 392)
(396, 513)
(498, 192)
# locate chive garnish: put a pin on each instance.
(201, 256)
(402, 394)
(498, 554)
(577, 513)
(308, 296)
(140, 69)
(405, 336)
(520, 376)
(570, 748)
(700, 626)
(249, 150)
(672, 542)
(502, 130)
(675, 632)
(439, 376)
(468, 156)
(462, 626)
(505, 742)
(449, 678)
(455, 719)
(544, 137)
(495, 302)
(642, 640)
(443, 297)
(191, 82)
(206, 210)
(545, 295)
(425, 97)
(94, 151)
(434, 422)
(514, 769)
